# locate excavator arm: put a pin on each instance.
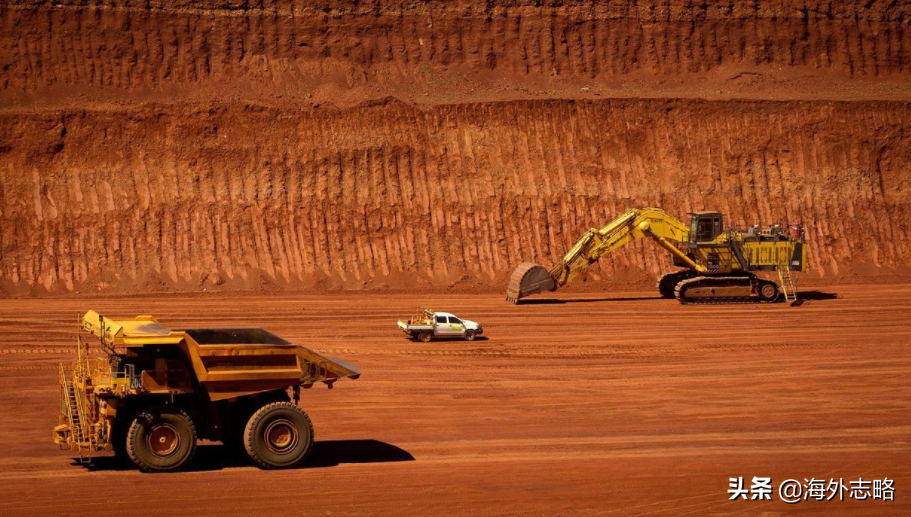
(636, 223)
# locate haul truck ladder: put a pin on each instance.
(73, 410)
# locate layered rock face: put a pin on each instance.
(288, 145)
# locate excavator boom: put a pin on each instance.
(529, 278)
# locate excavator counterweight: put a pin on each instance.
(718, 266)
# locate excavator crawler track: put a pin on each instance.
(668, 282)
(730, 289)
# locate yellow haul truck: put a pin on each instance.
(149, 392)
(719, 266)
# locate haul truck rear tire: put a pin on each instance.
(278, 435)
(234, 440)
(234, 427)
(159, 441)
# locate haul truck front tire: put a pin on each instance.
(278, 435)
(159, 441)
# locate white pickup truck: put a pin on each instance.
(427, 325)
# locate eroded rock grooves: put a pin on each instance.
(366, 196)
(196, 144)
(149, 44)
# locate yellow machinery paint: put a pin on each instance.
(211, 381)
(719, 265)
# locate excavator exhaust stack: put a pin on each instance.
(528, 279)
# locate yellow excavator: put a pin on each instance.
(718, 266)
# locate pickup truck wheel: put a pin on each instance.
(424, 336)
(159, 441)
(469, 336)
(278, 435)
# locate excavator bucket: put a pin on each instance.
(528, 279)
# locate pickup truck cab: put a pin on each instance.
(428, 325)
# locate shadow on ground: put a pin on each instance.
(324, 454)
(802, 297)
(335, 452)
(445, 339)
(553, 301)
(812, 296)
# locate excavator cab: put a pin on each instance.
(705, 227)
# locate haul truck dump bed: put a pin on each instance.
(149, 392)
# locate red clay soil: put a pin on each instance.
(66, 52)
(611, 404)
(395, 196)
(399, 145)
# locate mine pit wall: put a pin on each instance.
(393, 195)
(344, 51)
(238, 144)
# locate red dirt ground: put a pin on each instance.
(611, 404)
